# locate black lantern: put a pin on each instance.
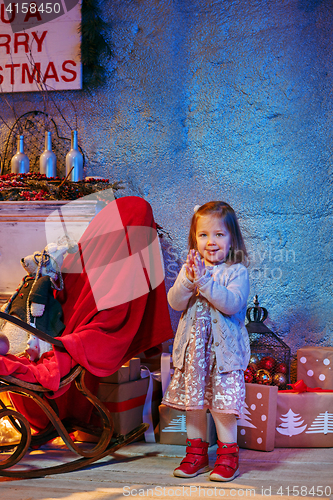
(270, 356)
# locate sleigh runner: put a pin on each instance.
(106, 445)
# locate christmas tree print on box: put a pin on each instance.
(322, 423)
(291, 424)
(177, 424)
(245, 419)
(173, 426)
(256, 427)
(315, 366)
(304, 420)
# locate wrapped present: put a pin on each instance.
(119, 377)
(126, 373)
(125, 403)
(315, 366)
(256, 427)
(173, 427)
(304, 418)
(134, 365)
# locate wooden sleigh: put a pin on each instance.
(107, 443)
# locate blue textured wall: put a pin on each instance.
(232, 100)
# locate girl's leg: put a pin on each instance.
(196, 424)
(226, 465)
(196, 460)
(226, 426)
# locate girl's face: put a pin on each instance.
(213, 239)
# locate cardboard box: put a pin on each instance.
(126, 373)
(304, 420)
(121, 376)
(134, 365)
(173, 427)
(315, 366)
(153, 363)
(125, 403)
(256, 427)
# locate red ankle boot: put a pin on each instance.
(196, 460)
(226, 465)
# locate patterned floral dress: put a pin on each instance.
(198, 384)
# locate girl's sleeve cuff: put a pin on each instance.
(187, 283)
(203, 280)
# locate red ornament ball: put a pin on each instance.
(248, 375)
(281, 368)
(267, 363)
(263, 377)
(280, 380)
(253, 366)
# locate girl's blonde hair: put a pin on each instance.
(237, 253)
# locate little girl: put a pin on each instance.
(211, 348)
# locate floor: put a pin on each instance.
(144, 470)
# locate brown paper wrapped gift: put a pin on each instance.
(256, 427)
(173, 427)
(126, 373)
(121, 376)
(304, 420)
(315, 366)
(125, 403)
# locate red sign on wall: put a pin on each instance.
(40, 45)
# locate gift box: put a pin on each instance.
(119, 377)
(126, 373)
(125, 403)
(256, 427)
(173, 427)
(315, 366)
(134, 365)
(304, 419)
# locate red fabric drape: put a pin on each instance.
(114, 305)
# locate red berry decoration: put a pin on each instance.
(280, 380)
(263, 377)
(267, 363)
(281, 368)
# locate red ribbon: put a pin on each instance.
(129, 404)
(300, 386)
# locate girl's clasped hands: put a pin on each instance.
(194, 266)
